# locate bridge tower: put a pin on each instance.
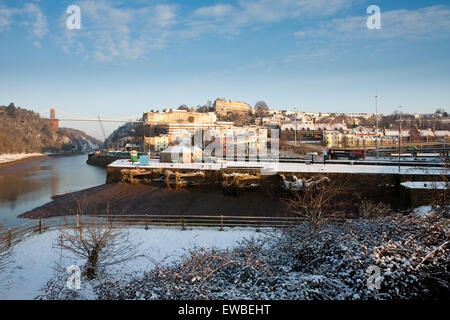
(53, 121)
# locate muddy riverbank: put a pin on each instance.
(128, 199)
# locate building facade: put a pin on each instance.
(182, 154)
(179, 117)
(157, 143)
(223, 107)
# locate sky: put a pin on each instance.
(134, 56)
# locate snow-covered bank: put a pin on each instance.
(35, 258)
(409, 254)
(6, 158)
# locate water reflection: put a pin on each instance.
(34, 183)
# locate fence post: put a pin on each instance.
(221, 223)
(40, 225)
(9, 237)
(182, 223)
(78, 221)
(257, 229)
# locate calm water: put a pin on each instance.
(33, 187)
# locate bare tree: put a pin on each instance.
(100, 244)
(314, 201)
(78, 206)
(261, 109)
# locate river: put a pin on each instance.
(33, 183)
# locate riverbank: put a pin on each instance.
(128, 199)
(21, 165)
(6, 159)
(30, 183)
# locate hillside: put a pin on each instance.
(126, 133)
(23, 131)
(80, 140)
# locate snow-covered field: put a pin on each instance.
(35, 257)
(4, 158)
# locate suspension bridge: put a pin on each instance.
(54, 121)
(74, 117)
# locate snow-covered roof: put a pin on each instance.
(310, 126)
(441, 185)
(423, 133)
(442, 133)
(394, 133)
(426, 133)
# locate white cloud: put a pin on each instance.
(425, 23)
(276, 10)
(30, 16)
(120, 33)
(216, 11)
(36, 20)
(230, 19)
(5, 18)
(165, 15)
(112, 30)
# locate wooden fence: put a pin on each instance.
(15, 234)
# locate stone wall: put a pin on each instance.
(356, 187)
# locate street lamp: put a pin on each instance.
(399, 137)
(295, 115)
(376, 120)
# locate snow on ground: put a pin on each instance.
(35, 257)
(425, 210)
(4, 158)
(439, 185)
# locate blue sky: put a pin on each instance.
(133, 56)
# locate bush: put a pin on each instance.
(412, 254)
(371, 210)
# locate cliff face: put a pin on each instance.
(23, 131)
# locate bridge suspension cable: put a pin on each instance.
(69, 114)
(74, 117)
